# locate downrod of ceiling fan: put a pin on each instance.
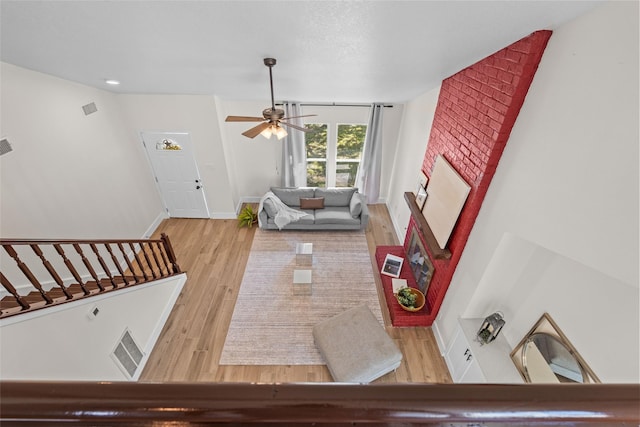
(270, 62)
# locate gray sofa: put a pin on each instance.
(331, 209)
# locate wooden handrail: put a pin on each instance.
(130, 403)
(103, 266)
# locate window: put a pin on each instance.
(333, 154)
(316, 143)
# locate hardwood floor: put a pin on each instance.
(214, 254)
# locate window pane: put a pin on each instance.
(346, 173)
(316, 141)
(316, 173)
(350, 141)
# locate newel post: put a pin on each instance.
(172, 256)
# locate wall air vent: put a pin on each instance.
(89, 108)
(5, 147)
(128, 354)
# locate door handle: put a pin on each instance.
(197, 180)
(198, 187)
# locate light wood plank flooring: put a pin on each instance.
(214, 254)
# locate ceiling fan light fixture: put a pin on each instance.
(280, 132)
(274, 129)
(271, 117)
(267, 132)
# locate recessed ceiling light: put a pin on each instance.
(112, 82)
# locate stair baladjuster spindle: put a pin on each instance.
(25, 270)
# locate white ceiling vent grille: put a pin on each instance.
(128, 354)
(5, 147)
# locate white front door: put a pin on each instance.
(176, 172)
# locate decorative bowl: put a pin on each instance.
(420, 300)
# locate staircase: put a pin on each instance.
(37, 274)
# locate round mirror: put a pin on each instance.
(547, 360)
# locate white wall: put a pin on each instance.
(69, 175)
(62, 343)
(254, 164)
(567, 185)
(197, 115)
(412, 145)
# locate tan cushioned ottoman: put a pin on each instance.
(356, 347)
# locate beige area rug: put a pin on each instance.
(270, 325)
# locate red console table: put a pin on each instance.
(399, 316)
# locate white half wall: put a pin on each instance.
(567, 184)
(64, 344)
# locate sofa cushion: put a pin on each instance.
(312, 203)
(355, 205)
(269, 207)
(336, 196)
(335, 215)
(291, 196)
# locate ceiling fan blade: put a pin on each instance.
(255, 131)
(295, 117)
(295, 127)
(243, 119)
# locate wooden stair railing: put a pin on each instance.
(325, 404)
(43, 273)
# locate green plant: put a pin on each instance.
(247, 217)
(407, 298)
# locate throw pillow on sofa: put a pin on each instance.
(312, 203)
(270, 207)
(355, 205)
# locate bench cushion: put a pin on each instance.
(356, 347)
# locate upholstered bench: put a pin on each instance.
(356, 347)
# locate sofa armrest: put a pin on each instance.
(364, 215)
(262, 218)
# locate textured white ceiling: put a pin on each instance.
(327, 51)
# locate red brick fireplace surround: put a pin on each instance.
(476, 111)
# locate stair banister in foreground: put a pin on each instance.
(186, 404)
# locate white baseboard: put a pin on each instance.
(400, 231)
(154, 225)
(439, 340)
(246, 199)
(223, 215)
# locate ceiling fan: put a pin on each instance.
(271, 118)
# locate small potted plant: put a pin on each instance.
(410, 299)
(247, 217)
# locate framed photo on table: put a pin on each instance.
(392, 265)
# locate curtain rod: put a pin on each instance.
(334, 104)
